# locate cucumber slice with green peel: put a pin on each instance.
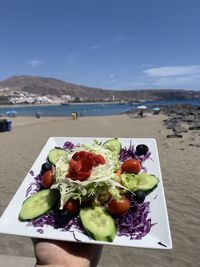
(98, 223)
(146, 181)
(55, 154)
(38, 204)
(141, 181)
(114, 145)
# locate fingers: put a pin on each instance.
(53, 251)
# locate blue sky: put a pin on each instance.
(111, 44)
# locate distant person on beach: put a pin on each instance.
(50, 253)
(74, 115)
(140, 113)
(37, 115)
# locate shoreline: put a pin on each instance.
(60, 104)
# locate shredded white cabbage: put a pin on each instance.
(102, 176)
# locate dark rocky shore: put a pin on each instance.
(181, 119)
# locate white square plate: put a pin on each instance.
(159, 235)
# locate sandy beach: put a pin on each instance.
(179, 161)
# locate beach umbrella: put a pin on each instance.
(142, 107)
(156, 108)
(11, 112)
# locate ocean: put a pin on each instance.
(97, 109)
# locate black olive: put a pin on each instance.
(46, 167)
(141, 149)
(62, 218)
(139, 196)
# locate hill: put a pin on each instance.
(51, 86)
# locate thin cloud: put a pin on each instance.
(123, 38)
(34, 63)
(173, 76)
(170, 71)
(178, 80)
(98, 45)
(113, 40)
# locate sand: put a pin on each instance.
(180, 170)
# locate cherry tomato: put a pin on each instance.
(72, 206)
(47, 179)
(131, 166)
(118, 207)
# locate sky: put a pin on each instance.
(109, 44)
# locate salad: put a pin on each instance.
(98, 189)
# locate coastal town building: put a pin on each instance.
(21, 97)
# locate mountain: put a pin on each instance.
(51, 86)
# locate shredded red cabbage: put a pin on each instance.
(32, 172)
(68, 145)
(135, 223)
(50, 219)
(44, 219)
(35, 186)
(130, 153)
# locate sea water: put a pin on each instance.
(94, 109)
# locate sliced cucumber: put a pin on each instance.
(98, 223)
(146, 181)
(114, 145)
(129, 181)
(55, 154)
(38, 204)
(140, 181)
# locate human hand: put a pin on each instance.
(52, 253)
